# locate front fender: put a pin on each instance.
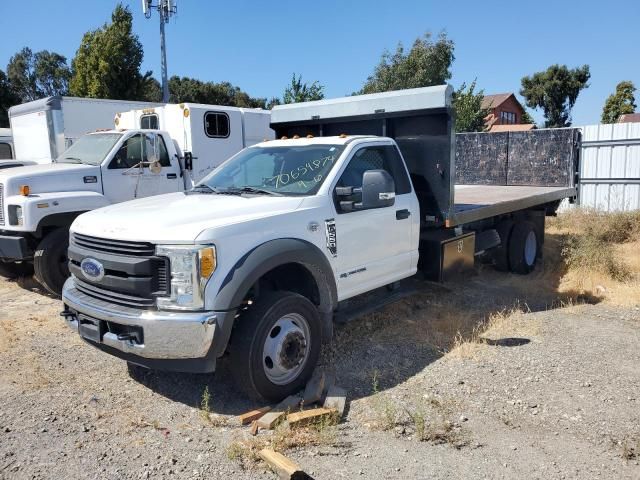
(265, 258)
(37, 208)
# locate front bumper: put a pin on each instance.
(14, 248)
(177, 341)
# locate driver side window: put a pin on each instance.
(130, 154)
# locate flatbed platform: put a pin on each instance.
(477, 202)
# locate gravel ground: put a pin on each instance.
(554, 393)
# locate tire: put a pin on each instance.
(12, 270)
(50, 260)
(524, 246)
(276, 320)
(500, 254)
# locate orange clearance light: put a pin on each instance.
(284, 137)
(296, 137)
(309, 136)
(117, 121)
(24, 190)
(186, 113)
(343, 135)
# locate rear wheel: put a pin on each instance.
(276, 345)
(13, 270)
(523, 248)
(500, 254)
(51, 262)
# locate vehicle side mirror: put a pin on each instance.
(378, 191)
(188, 161)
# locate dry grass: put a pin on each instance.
(319, 434)
(600, 251)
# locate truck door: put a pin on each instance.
(374, 247)
(123, 177)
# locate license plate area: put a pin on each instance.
(91, 328)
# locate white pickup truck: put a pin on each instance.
(262, 256)
(38, 203)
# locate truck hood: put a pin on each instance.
(53, 177)
(178, 217)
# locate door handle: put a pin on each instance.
(172, 176)
(402, 214)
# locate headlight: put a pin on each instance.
(15, 215)
(191, 268)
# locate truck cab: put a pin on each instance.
(39, 202)
(154, 150)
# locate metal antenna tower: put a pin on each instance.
(165, 8)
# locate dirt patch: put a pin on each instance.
(498, 375)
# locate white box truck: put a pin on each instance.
(45, 128)
(38, 203)
(196, 127)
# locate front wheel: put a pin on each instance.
(50, 261)
(276, 345)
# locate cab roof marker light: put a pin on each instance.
(296, 137)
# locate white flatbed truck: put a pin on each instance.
(260, 259)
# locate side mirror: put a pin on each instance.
(155, 167)
(188, 161)
(378, 191)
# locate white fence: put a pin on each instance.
(610, 167)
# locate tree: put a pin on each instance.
(299, 91)
(555, 90)
(526, 117)
(470, 116)
(619, 103)
(152, 91)
(38, 75)
(8, 98)
(107, 63)
(428, 63)
(185, 89)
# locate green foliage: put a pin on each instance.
(428, 63)
(619, 103)
(107, 63)
(470, 116)
(38, 75)
(526, 117)
(555, 90)
(299, 91)
(185, 89)
(8, 98)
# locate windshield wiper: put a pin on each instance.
(202, 188)
(247, 189)
(75, 159)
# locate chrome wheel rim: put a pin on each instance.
(286, 349)
(530, 248)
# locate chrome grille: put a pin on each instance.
(1, 204)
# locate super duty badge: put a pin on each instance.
(330, 232)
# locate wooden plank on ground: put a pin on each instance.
(254, 428)
(309, 416)
(270, 419)
(336, 399)
(283, 466)
(252, 415)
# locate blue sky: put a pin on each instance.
(258, 44)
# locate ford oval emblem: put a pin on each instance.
(92, 269)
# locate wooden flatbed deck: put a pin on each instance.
(477, 202)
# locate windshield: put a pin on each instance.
(290, 170)
(90, 149)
